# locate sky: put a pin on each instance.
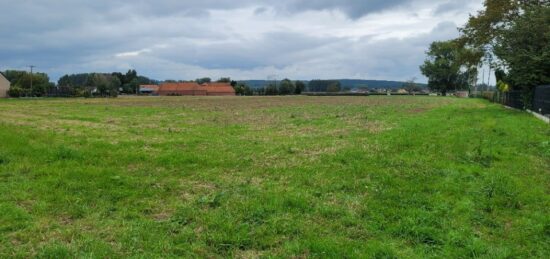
(241, 39)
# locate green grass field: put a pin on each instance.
(331, 177)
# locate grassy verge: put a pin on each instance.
(380, 177)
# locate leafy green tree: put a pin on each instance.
(224, 80)
(443, 67)
(334, 87)
(129, 82)
(524, 49)
(248, 91)
(143, 80)
(242, 89)
(323, 85)
(74, 80)
(300, 87)
(272, 89)
(25, 84)
(483, 29)
(16, 92)
(411, 86)
(105, 84)
(131, 75)
(286, 87)
(514, 36)
(260, 91)
(203, 80)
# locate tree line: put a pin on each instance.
(283, 87)
(113, 84)
(288, 87)
(104, 84)
(24, 84)
(512, 37)
(75, 85)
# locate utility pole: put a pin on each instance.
(483, 81)
(31, 66)
(489, 79)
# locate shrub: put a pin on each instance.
(16, 92)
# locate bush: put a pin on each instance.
(17, 92)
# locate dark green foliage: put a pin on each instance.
(344, 83)
(334, 87)
(300, 87)
(224, 80)
(272, 89)
(286, 87)
(411, 86)
(324, 86)
(106, 84)
(203, 80)
(16, 92)
(242, 89)
(524, 49)
(443, 67)
(21, 82)
(517, 33)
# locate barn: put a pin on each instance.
(219, 89)
(177, 89)
(194, 89)
(4, 86)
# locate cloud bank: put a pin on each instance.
(171, 39)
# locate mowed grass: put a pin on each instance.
(330, 177)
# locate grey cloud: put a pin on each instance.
(273, 48)
(188, 39)
(354, 8)
(453, 6)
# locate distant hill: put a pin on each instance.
(346, 83)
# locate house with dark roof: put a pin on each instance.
(149, 89)
(4, 86)
(195, 89)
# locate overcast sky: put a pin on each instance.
(243, 39)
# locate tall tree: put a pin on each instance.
(224, 80)
(21, 83)
(443, 67)
(203, 80)
(323, 85)
(286, 87)
(524, 49)
(334, 87)
(271, 89)
(300, 87)
(411, 87)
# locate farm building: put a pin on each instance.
(148, 89)
(4, 86)
(219, 89)
(194, 89)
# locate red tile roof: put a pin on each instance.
(193, 88)
(219, 89)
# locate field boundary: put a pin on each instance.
(535, 114)
(539, 116)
